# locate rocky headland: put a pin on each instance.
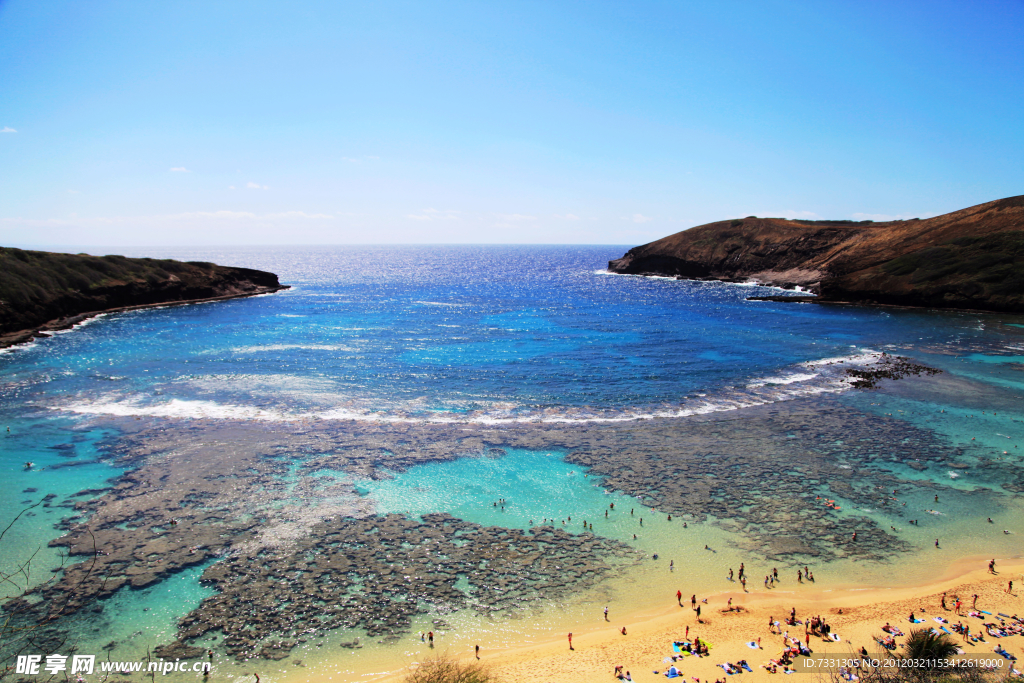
(43, 291)
(971, 259)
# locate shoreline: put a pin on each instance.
(11, 339)
(803, 298)
(600, 647)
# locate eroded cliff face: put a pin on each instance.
(973, 258)
(42, 290)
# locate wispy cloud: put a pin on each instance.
(434, 215)
(639, 218)
(179, 169)
(256, 186)
(515, 217)
(174, 219)
(7, 129)
(795, 215)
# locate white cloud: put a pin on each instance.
(180, 169)
(515, 217)
(186, 228)
(882, 217)
(640, 218)
(256, 186)
(231, 187)
(7, 129)
(435, 215)
(568, 217)
(793, 215)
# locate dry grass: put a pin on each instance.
(444, 668)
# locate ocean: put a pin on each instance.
(508, 388)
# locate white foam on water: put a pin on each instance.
(830, 379)
(787, 379)
(24, 346)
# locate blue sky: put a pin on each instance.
(173, 123)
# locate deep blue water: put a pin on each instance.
(421, 331)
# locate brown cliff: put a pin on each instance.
(972, 258)
(42, 291)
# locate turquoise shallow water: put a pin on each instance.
(491, 335)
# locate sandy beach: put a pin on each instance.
(855, 614)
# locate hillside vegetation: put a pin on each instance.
(44, 290)
(972, 258)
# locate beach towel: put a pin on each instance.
(1004, 615)
(916, 621)
(752, 645)
(747, 667)
(726, 669)
(946, 630)
(673, 673)
(834, 636)
(984, 612)
(939, 620)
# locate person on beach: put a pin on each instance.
(730, 573)
(1009, 587)
(693, 602)
(742, 570)
(698, 615)
(679, 598)
(936, 543)
(799, 576)
(974, 602)
(570, 640)
(606, 613)
(430, 638)
(478, 651)
(623, 630)
(944, 602)
(992, 566)
(743, 582)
